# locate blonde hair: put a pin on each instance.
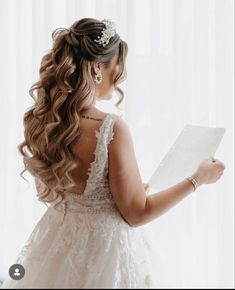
(65, 87)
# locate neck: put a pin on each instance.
(88, 110)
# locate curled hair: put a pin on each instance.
(64, 89)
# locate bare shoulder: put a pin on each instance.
(121, 132)
(122, 144)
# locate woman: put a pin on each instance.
(85, 168)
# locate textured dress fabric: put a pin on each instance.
(84, 243)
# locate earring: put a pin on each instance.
(98, 78)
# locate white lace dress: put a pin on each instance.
(85, 243)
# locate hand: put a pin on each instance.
(146, 187)
(209, 171)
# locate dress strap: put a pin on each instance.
(108, 133)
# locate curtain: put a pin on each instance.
(179, 70)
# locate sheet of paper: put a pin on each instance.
(194, 144)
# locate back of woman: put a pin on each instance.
(85, 169)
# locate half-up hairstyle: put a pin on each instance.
(65, 88)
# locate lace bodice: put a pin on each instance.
(96, 197)
(84, 242)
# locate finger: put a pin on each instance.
(146, 187)
(212, 158)
(223, 165)
(220, 175)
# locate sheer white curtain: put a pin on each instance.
(180, 70)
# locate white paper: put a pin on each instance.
(193, 144)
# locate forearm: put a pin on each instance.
(160, 202)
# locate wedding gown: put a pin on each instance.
(85, 242)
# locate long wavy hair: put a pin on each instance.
(64, 89)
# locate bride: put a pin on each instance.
(83, 161)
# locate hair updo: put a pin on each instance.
(64, 89)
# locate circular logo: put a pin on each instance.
(16, 271)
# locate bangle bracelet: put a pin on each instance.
(193, 181)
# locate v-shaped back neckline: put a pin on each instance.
(89, 171)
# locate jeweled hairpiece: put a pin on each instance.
(108, 32)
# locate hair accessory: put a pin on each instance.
(108, 32)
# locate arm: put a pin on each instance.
(160, 202)
(126, 185)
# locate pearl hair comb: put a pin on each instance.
(108, 32)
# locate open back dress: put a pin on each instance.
(85, 243)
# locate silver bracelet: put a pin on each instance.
(193, 181)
